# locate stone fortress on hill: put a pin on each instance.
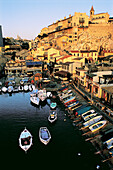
(81, 32)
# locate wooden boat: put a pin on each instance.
(25, 140)
(53, 105)
(66, 97)
(44, 135)
(52, 116)
(73, 101)
(84, 115)
(97, 126)
(91, 121)
(34, 100)
(73, 105)
(69, 100)
(92, 115)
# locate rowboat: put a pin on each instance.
(91, 121)
(44, 135)
(84, 115)
(97, 126)
(81, 111)
(66, 97)
(34, 100)
(109, 143)
(92, 115)
(69, 100)
(52, 116)
(25, 140)
(53, 105)
(73, 101)
(20, 88)
(73, 105)
(34, 93)
(64, 93)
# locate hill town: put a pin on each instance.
(77, 48)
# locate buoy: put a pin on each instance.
(64, 120)
(97, 167)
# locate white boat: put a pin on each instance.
(15, 89)
(52, 116)
(97, 126)
(42, 94)
(91, 121)
(49, 94)
(53, 105)
(31, 87)
(44, 135)
(66, 96)
(92, 115)
(63, 94)
(26, 88)
(20, 88)
(35, 100)
(4, 89)
(87, 113)
(10, 89)
(25, 140)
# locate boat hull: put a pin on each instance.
(44, 135)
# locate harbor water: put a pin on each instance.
(67, 148)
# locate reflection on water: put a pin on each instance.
(16, 112)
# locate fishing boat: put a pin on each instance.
(4, 89)
(97, 126)
(26, 88)
(42, 94)
(44, 135)
(34, 100)
(52, 116)
(91, 121)
(25, 140)
(53, 105)
(10, 89)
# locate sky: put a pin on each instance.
(26, 18)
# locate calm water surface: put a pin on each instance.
(16, 112)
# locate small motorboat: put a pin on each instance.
(25, 140)
(10, 89)
(97, 126)
(44, 135)
(52, 116)
(26, 88)
(34, 100)
(20, 88)
(31, 87)
(49, 94)
(4, 89)
(53, 105)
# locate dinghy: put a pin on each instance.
(4, 89)
(52, 116)
(10, 89)
(25, 140)
(44, 135)
(42, 94)
(97, 126)
(26, 88)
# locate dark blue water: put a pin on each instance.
(16, 112)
